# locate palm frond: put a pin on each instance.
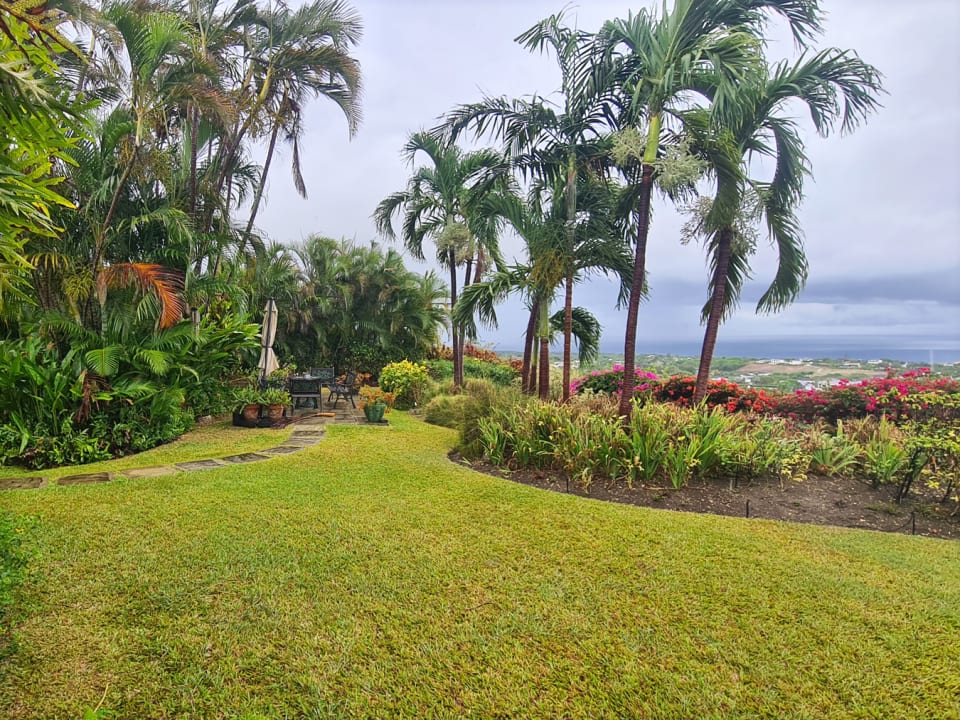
(104, 361)
(586, 330)
(164, 283)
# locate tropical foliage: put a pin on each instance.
(354, 307)
(676, 98)
(889, 431)
(130, 291)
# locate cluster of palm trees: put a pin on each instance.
(166, 101)
(347, 306)
(132, 276)
(682, 99)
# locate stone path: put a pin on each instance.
(309, 430)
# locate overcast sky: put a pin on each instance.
(881, 217)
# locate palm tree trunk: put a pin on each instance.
(571, 198)
(636, 290)
(526, 381)
(263, 176)
(716, 312)
(194, 126)
(543, 384)
(454, 334)
(543, 381)
(567, 333)
(466, 283)
(534, 367)
(571, 201)
(478, 274)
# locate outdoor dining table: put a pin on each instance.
(310, 387)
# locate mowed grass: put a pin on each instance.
(216, 439)
(369, 577)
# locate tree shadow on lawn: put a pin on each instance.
(816, 500)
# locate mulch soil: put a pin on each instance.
(816, 500)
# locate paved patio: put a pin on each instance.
(342, 413)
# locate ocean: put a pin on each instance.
(935, 352)
(941, 351)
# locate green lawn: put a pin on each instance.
(216, 439)
(368, 576)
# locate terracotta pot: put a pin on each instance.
(274, 412)
(251, 412)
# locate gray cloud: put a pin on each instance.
(881, 219)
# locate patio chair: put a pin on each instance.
(346, 390)
(325, 375)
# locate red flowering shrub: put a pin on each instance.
(677, 389)
(887, 396)
(723, 393)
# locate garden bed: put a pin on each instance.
(816, 500)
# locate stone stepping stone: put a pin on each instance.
(245, 458)
(150, 472)
(303, 441)
(283, 449)
(308, 433)
(86, 478)
(29, 482)
(200, 465)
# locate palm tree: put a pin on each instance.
(757, 127)
(543, 143)
(36, 129)
(442, 201)
(542, 223)
(308, 57)
(357, 305)
(654, 64)
(77, 269)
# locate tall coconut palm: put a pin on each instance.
(836, 86)
(549, 145)
(655, 64)
(442, 201)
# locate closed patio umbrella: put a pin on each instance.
(268, 358)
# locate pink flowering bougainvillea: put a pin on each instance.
(885, 396)
(677, 389)
(611, 381)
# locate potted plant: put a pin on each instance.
(375, 402)
(281, 376)
(248, 404)
(276, 400)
